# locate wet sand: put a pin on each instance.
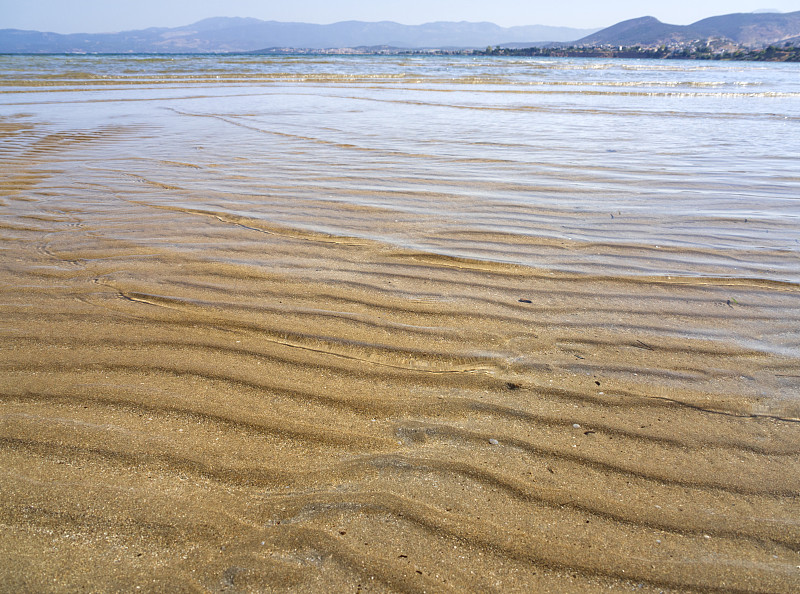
(193, 400)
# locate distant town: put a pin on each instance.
(696, 50)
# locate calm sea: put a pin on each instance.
(586, 165)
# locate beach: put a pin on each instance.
(377, 326)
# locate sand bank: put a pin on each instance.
(193, 400)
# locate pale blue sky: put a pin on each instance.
(93, 16)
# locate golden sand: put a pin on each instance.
(194, 401)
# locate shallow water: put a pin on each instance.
(655, 167)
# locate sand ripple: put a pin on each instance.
(194, 399)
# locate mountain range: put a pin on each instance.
(225, 34)
(745, 29)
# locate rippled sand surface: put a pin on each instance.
(248, 345)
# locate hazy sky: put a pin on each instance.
(93, 16)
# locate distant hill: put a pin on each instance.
(635, 31)
(746, 29)
(242, 34)
(246, 34)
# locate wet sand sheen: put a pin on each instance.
(194, 399)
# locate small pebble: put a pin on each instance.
(576, 426)
(493, 441)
